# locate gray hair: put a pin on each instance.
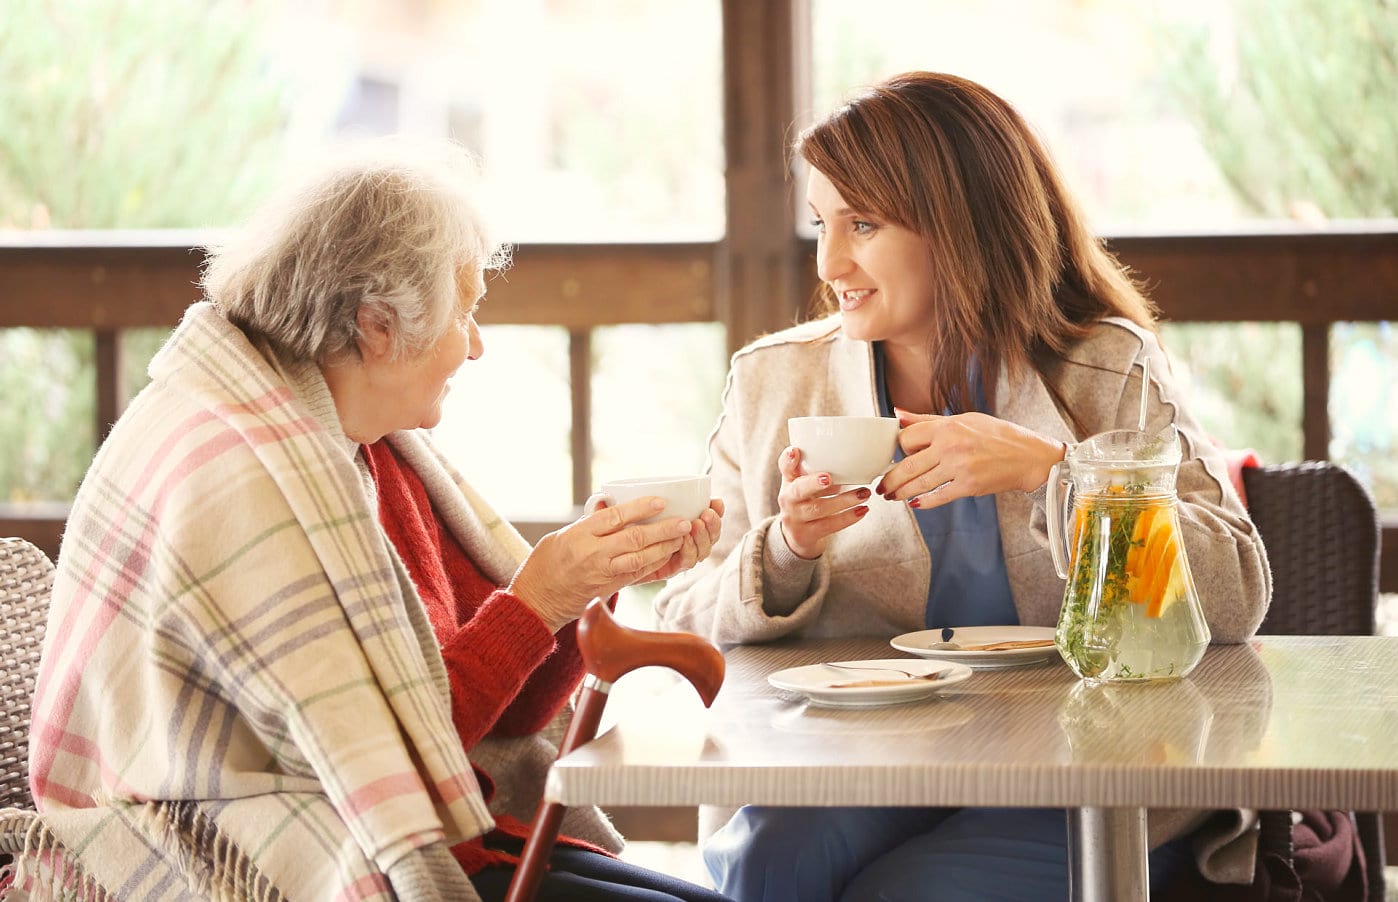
(387, 228)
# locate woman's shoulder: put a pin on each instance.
(795, 339)
(1115, 343)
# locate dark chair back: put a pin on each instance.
(1322, 533)
(1321, 530)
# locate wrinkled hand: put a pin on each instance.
(604, 551)
(966, 455)
(697, 545)
(812, 509)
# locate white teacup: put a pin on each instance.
(685, 496)
(853, 450)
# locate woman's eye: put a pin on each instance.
(863, 227)
(818, 225)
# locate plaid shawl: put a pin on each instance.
(239, 695)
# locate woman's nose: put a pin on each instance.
(832, 259)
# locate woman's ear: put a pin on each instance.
(375, 332)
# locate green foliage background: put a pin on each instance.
(130, 114)
(135, 114)
(1298, 107)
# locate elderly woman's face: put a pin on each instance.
(407, 392)
(427, 374)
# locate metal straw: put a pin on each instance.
(1145, 392)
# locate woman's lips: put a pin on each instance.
(854, 299)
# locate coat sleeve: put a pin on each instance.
(750, 588)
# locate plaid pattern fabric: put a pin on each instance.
(231, 644)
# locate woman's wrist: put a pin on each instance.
(521, 587)
(1054, 451)
(798, 553)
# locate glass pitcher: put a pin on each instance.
(1130, 610)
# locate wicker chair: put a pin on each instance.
(1321, 530)
(26, 577)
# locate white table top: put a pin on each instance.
(1280, 722)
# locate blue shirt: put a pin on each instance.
(968, 585)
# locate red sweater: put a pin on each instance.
(509, 675)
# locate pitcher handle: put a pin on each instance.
(1056, 513)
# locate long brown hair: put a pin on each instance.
(1020, 275)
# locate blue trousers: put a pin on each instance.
(902, 855)
(577, 875)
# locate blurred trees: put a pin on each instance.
(129, 114)
(1296, 104)
(135, 114)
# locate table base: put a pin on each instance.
(1107, 855)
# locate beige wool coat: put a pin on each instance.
(873, 578)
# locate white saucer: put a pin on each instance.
(871, 720)
(920, 643)
(821, 684)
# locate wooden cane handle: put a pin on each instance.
(611, 650)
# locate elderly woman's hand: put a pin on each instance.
(697, 545)
(812, 509)
(964, 455)
(602, 552)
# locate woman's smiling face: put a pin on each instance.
(880, 272)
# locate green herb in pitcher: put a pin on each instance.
(1120, 615)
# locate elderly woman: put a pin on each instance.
(240, 694)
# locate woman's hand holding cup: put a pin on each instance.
(827, 452)
(813, 508)
(627, 536)
(604, 551)
(684, 496)
(703, 535)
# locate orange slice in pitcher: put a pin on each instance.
(1140, 537)
(1150, 563)
(1164, 586)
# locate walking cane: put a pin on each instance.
(609, 652)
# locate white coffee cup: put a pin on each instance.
(853, 450)
(685, 496)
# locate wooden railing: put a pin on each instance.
(105, 282)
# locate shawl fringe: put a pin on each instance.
(216, 868)
(212, 864)
(42, 870)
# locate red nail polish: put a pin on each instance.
(914, 502)
(861, 511)
(863, 495)
(824, 480)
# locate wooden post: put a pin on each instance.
(1315, 391)
(580, 435)
(758, 262)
